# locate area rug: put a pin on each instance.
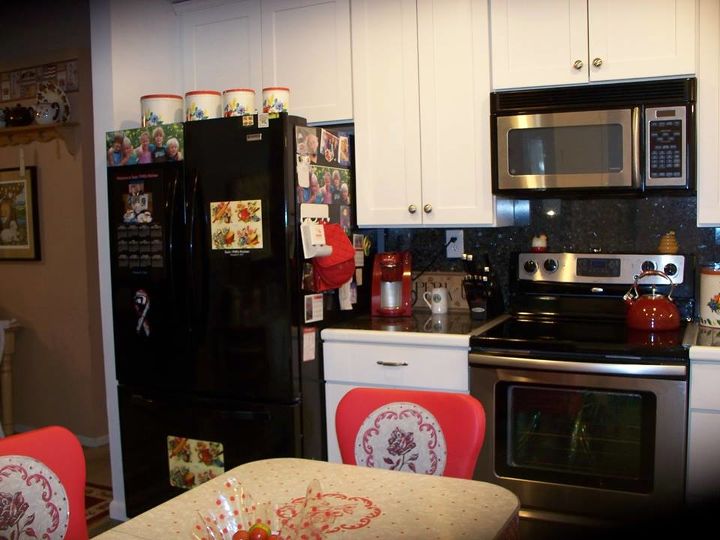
(97, 502)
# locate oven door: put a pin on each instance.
(568, 150)
(576, 446)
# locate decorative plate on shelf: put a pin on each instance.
(49, 92)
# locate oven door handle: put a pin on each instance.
(606, 368)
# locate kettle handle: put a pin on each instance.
(650, 273)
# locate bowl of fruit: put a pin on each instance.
(235, 515)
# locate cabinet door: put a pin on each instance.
(642, 38)
(306, 47)
(221, 46)
(538, 44)
(454, 112)
(703, 468)
(708, 121)
(386, 110)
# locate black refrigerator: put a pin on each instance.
(217, 361)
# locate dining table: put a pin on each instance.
(331, 500)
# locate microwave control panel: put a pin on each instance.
(666, 156)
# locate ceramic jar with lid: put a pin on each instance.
(238, 101)
(203, 105)
(158, 109)
(709, 299)
(276, 99)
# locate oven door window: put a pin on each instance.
(584, 437)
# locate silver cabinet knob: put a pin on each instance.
(597, 62)
(412, 208)
(427, 208)
(578, 64)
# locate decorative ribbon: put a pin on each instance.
(142, 306)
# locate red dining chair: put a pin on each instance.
(42, 485)
(418, 431)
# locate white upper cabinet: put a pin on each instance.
(556, 42)
(454, 60)
(386, 106)
(306, 47)
(301, 44)
(421, 102)
(221, 46)
(708, 117)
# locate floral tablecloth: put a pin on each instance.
(359, 502)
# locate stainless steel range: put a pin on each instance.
(586, 417)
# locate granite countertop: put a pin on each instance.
(706, 345)
(422, 328)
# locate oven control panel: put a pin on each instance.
(605, 268)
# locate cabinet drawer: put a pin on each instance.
(438, 368)
(704, 382)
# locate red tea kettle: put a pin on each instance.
(651, 311)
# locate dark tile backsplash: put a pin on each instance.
(579, 225)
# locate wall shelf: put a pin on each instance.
(12, 136)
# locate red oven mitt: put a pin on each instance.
(337, 268)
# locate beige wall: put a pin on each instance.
(58, 372)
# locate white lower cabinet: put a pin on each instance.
(353, 358)
(703, 465)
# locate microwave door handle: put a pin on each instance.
(635, 130)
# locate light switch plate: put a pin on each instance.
(457, 248)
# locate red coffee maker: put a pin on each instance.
(392, 282)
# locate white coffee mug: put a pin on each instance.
(437, 322)
(437, 300)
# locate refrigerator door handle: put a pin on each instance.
(171, 217)
(191, 254)
(233, 414)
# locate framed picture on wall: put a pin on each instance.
(19, 233)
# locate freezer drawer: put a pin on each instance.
(171, 440)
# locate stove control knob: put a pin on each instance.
(550, 265)
(530, 267)
(670, 269)
(647, 265)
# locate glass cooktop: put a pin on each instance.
(575, 338)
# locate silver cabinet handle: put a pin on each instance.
(427, 208)
(578, 64)
(412, 208)
(597, 62)
(394, 364)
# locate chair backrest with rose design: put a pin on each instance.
(429, 432)
(42, 485)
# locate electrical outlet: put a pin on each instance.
(456, 248)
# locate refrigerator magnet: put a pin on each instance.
(313, 308)
(309, 339)
(316, 212)
(345, 296)
(263, 120)
(359, 277)
(303, 172)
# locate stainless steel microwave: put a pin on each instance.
(595, 139)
